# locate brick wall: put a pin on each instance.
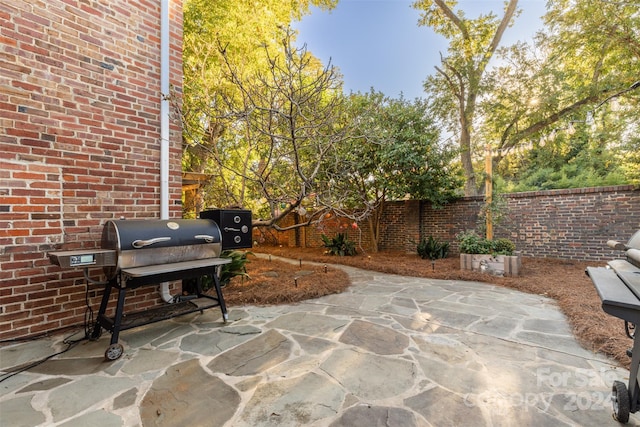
(79, 143)
(573, 224)
(569, 224)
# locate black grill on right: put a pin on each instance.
(618, 286)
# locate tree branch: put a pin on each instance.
(453, 17)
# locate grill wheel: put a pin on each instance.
(620, 402)
(114, 351)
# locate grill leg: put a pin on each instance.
(216, 284)
(103, 309)
(117, 320)
(634, 381)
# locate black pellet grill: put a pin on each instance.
(137, 253)
(618, 286)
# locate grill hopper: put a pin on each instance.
(146, 242)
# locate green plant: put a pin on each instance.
(432, 248)
(503, 246)
(471, 243)
(237, 266)
(339, 245)
(226, 272)
(499, 210)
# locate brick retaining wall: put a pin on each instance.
(569, 224)
(573, 224)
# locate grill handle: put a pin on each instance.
(205, 237)
(142, 243)
(619, 246)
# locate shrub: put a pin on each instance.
(432, 248)
(471, 243)
(237, 267)
(339, 245)
(503, 246)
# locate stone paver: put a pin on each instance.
(186, 395)
(374, 338)
(389, 351)
(301, 400)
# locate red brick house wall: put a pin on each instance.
(79, 144)
(568, 224)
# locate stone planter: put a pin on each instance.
(498, 265)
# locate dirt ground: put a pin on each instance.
(274, 282)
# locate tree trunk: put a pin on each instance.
(373, 231)
(466, 116)
(470, 188)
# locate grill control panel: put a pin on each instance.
(235, 227)
(83, 258)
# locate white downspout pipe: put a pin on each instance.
(164, 125)
(164, 109)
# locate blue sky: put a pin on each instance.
(378, 43)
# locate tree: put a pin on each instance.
(393, 153)
(458, 83)
(277, 132)
(246, 32)
(586, 56)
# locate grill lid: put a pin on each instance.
(140, 243)
(127, 234)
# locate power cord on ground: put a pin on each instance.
(88, 323)
(68, 341)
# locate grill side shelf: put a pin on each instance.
(151, 270)
(617, 298)
(628, 273)
(153, 274)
